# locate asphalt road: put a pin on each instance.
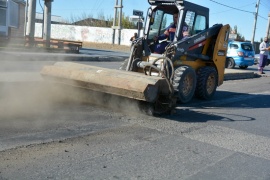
(44, 137)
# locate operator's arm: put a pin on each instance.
(165, 35)
(162, 36)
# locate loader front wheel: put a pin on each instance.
(184, 83)
(163, 105)
(207, 82)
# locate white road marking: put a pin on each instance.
(234, 140)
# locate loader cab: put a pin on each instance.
(160, 16)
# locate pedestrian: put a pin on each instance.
(134, 37)
(264, 52)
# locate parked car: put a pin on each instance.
(257, 59)
(239, 54)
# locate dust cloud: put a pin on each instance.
(33, 103)
(102, 100)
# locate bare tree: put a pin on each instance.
(100, 21)
(240, 37)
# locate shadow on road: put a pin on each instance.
(221, 108)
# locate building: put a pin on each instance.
(12, 18)
(54, 19)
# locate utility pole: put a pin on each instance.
(120, 22)
(114, 21)
(268, 27)
(119, 27)
(255, 21)
(47, 22)
(30, 30)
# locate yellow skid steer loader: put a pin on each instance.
(189, 66)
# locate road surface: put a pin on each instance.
(44, 136)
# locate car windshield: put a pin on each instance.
(247, 47)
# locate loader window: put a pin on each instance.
(167, 20)
(200, 24)
(196, 23)
(161, 21)
(189, 20)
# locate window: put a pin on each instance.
(13, 14)
(161, 21)
(200, 24)
(233, 46)
(247, 47)
(3, 3)
(3, 17)
(196, 23)
(189, 20)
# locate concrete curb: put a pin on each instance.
(234, 74)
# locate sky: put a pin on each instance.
(238, 13)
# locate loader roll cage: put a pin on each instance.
(165, 2)
(159, 17)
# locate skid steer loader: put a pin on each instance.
(192, 66)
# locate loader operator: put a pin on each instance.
(169, 35)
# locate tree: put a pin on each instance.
(101, 21)
(126, 23)
(239, 37)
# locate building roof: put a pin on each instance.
(54, 18)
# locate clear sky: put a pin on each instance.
(238, 13)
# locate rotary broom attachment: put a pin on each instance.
(151, 91)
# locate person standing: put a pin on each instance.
(264, 52)
(134, 37)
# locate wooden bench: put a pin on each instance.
(68, 46)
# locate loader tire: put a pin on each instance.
(184, 83)
(124, 64)
(207, 82)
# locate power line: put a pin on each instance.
(232, 7)
(262, 17)
(239, 9)
(101, 2)
(266, 4)
(231, 10)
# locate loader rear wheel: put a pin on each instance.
(207, 82)
(184, 83)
